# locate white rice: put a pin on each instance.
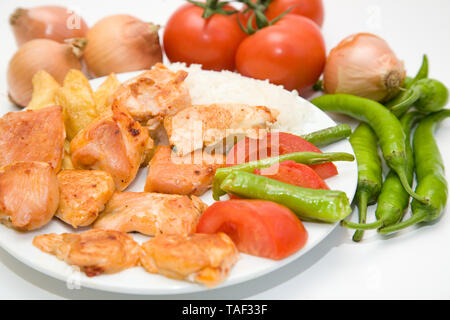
(208, 87)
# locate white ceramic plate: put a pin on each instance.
(136, 280)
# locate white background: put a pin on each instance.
(413, 264)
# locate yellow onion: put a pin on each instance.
(41, 54)
(46, 22)
(364, 65)
(121, 43)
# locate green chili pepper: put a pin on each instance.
(329, 135)
(430, 173)
(427, 95)
(422, 73)
(402, 100)
(299, 157)
(393, 199)
(387, 127)
(370, 176)
(406, 85)
(308, 204)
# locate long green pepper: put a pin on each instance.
(430, 173)
(299, 157)
(370, 175)
(393, 199)
(402, 101)
(308, 204)
(387, 127)
(329, 135)
(427, 95)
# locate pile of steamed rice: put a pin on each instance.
(206, 87)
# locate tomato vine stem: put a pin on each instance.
(258, 9)
(212, 7)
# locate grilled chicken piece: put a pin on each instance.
(114, 143)
(191, 174)
(208, 125)
(154, 94)
(33, 135)
(83, 195)
(151, 213)
(202, 258)
(29, 194)
(94, 251)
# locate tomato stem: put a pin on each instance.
(258, 9)
(212, 7)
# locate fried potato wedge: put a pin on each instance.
(66, 161)
(44, 90)
(103, 96)
(77, 99)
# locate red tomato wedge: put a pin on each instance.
(250, 149)
(294, 173)
(257, 227)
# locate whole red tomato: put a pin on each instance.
(211, 42)
(290, 53)
(312, 9)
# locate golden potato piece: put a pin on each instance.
(83, 195)
(103, 96)
(77, 99)
(44, 90)
(66, 161)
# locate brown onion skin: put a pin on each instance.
(46, 22)
(39, 54)
(368, 64)
(121, 43)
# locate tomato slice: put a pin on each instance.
(250, 149)
(257, 227)
(294, 173)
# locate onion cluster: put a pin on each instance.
(55, 39)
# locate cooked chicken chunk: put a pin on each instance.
(114, 143)
(29, 194)
(33, 135)
(202, 258)
(83, 195)
(208, 125)
(151, 213)
(154, 94)
(94, 251)
(191, 174)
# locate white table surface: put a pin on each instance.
(412, 264)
